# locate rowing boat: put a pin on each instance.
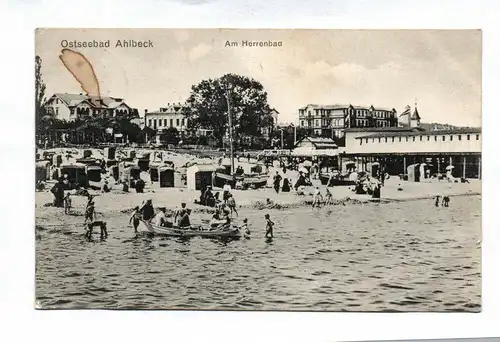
(249, 181)
(194, 230)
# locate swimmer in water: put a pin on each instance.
(436, 203)
(269, 226)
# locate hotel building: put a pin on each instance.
(332, 120)
(167, 117)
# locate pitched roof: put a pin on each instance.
(345, 106)
(332, 106)
(174, 108)
(415, 115)
(471, 130)
(72, 100)
(320, 143)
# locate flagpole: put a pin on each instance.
(230, 130)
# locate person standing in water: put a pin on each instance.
(317, 198)
(269, 226)
(147, 211)
(135, 218)
(90, 212)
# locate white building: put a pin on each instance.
(69, 107)
(460, 148)
(331, 120)
(166, 117)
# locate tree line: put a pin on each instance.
(208, 106)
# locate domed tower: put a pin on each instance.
(415, 118)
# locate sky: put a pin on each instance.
(439, 69)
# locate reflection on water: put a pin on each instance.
(395, 257)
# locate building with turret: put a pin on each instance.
(409, 119)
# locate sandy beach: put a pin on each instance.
(117, 201)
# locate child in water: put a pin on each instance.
(67, 203)
(90, 212)
(245, 229)
(269, 226)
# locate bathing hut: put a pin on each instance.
(87, 154)
(94, 173)
(42, 170)
(200, 175)
(166, 176)
(56, 160)
(131, 154)
(143, 161)
(76, 175)
(109, 153)
(111, 162)
(129, 173)
(153, 171)
(114, 172)
(414, 173)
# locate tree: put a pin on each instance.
(207, 106)
(170, 136)
(39, 99)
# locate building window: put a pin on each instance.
(435, 138)
(421, 138)
(428, 138)
(392, 139)
(379, 140)
(373, 140)
(165, 122)
(302, 123)
(367, 140)
(182, 122)
(57, 110)
(399, 139)
(154, 123)
(468, 136)
(171, 122)
(149, 122)
(459, 137)
(477, 136)
(385, 139)
(361, 141)
(406, 139)
(159, 122)
(413, 138)
(444, 138)
(451, 137)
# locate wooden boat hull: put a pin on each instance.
(193, 231)
(335, 181)
(248, 181)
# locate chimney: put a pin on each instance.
(145, 111)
